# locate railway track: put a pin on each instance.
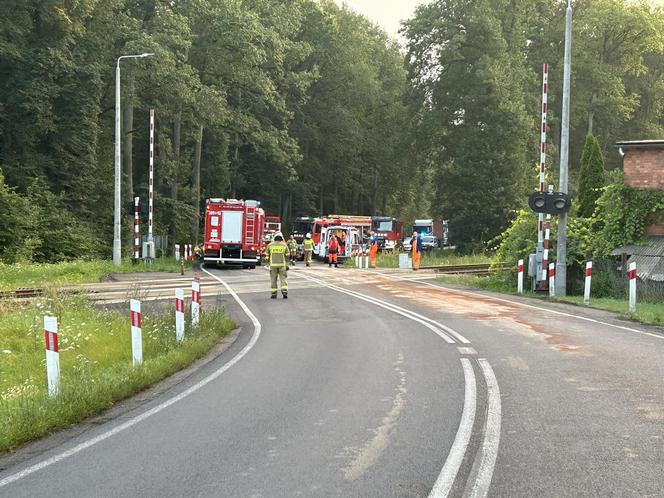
(483, 269)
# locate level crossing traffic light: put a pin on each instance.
(549, 202)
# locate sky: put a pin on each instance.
(386, 13)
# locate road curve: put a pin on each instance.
(338, 396)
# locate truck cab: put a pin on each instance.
(348, 236)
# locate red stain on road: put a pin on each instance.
(506, 317)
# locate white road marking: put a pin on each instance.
(517, 303)
(447, 329)
(450, 470)
(467, 351)
(388, 306)
(489, 449)
(133, 421)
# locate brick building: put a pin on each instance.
(643, 167)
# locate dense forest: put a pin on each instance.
(306, 106)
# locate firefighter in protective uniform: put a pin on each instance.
(308, 246)
(277, 252)
(292, 249)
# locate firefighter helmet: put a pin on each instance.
(308, 235)
(278, 236)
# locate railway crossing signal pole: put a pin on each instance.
(561, 260)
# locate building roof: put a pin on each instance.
(649, 258)
(641, 144)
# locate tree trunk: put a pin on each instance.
(196, 180)
(591, 113)
(175, 182)
(128, 128)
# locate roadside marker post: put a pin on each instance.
(631, 274)
(366, 261)
(195, 300)
(586, 289)
(136, 333)
(52, 355)
(179, 315)
(552, 279)
(519, 284)
(191, 252)
(177, 252)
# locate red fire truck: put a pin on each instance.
(272, 226)
(388, 231)
(233, 232)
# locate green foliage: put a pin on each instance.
(96, 365)
(519, 240)
(622, 215)
(17, 238)
(591, 177)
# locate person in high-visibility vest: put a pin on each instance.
(292, 248)
(332, 250)
(373, 249)
(277, 252)
(416, 248)
(308, 246)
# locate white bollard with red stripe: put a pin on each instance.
(586, 289)
(519, 282)
(631, 274)
(552, 279)
(136, 333)
(52, 355)
(177, 252)
(179, 315)
(357, 259)
(195, 300)
(191, 252)
(366, 261)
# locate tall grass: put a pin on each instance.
(95, 362)
(74, 272)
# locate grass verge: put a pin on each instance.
(648, 313)
(95, 362)
(74, 272)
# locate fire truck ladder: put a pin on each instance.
(250, 227)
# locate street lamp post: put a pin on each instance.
(117, 243)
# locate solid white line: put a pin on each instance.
(131, 422)
(383, 304)
(447, 329)
(450, 470)
(489, 449)
(555, 312)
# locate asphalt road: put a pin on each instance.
(368, 383)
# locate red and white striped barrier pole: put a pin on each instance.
(586, 289)
(151, 178)
(137, 230)
(52, 355)
(179, 315)
(195, 300)
(519, 282)
(177, 252)
(136, 334)
(542, 172)
(631, 274)
(552, 279)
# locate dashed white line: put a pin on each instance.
(450, 470)
(133, 421)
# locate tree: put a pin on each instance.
(591, 177)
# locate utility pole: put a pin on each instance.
(117, 242)
(561, 260)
